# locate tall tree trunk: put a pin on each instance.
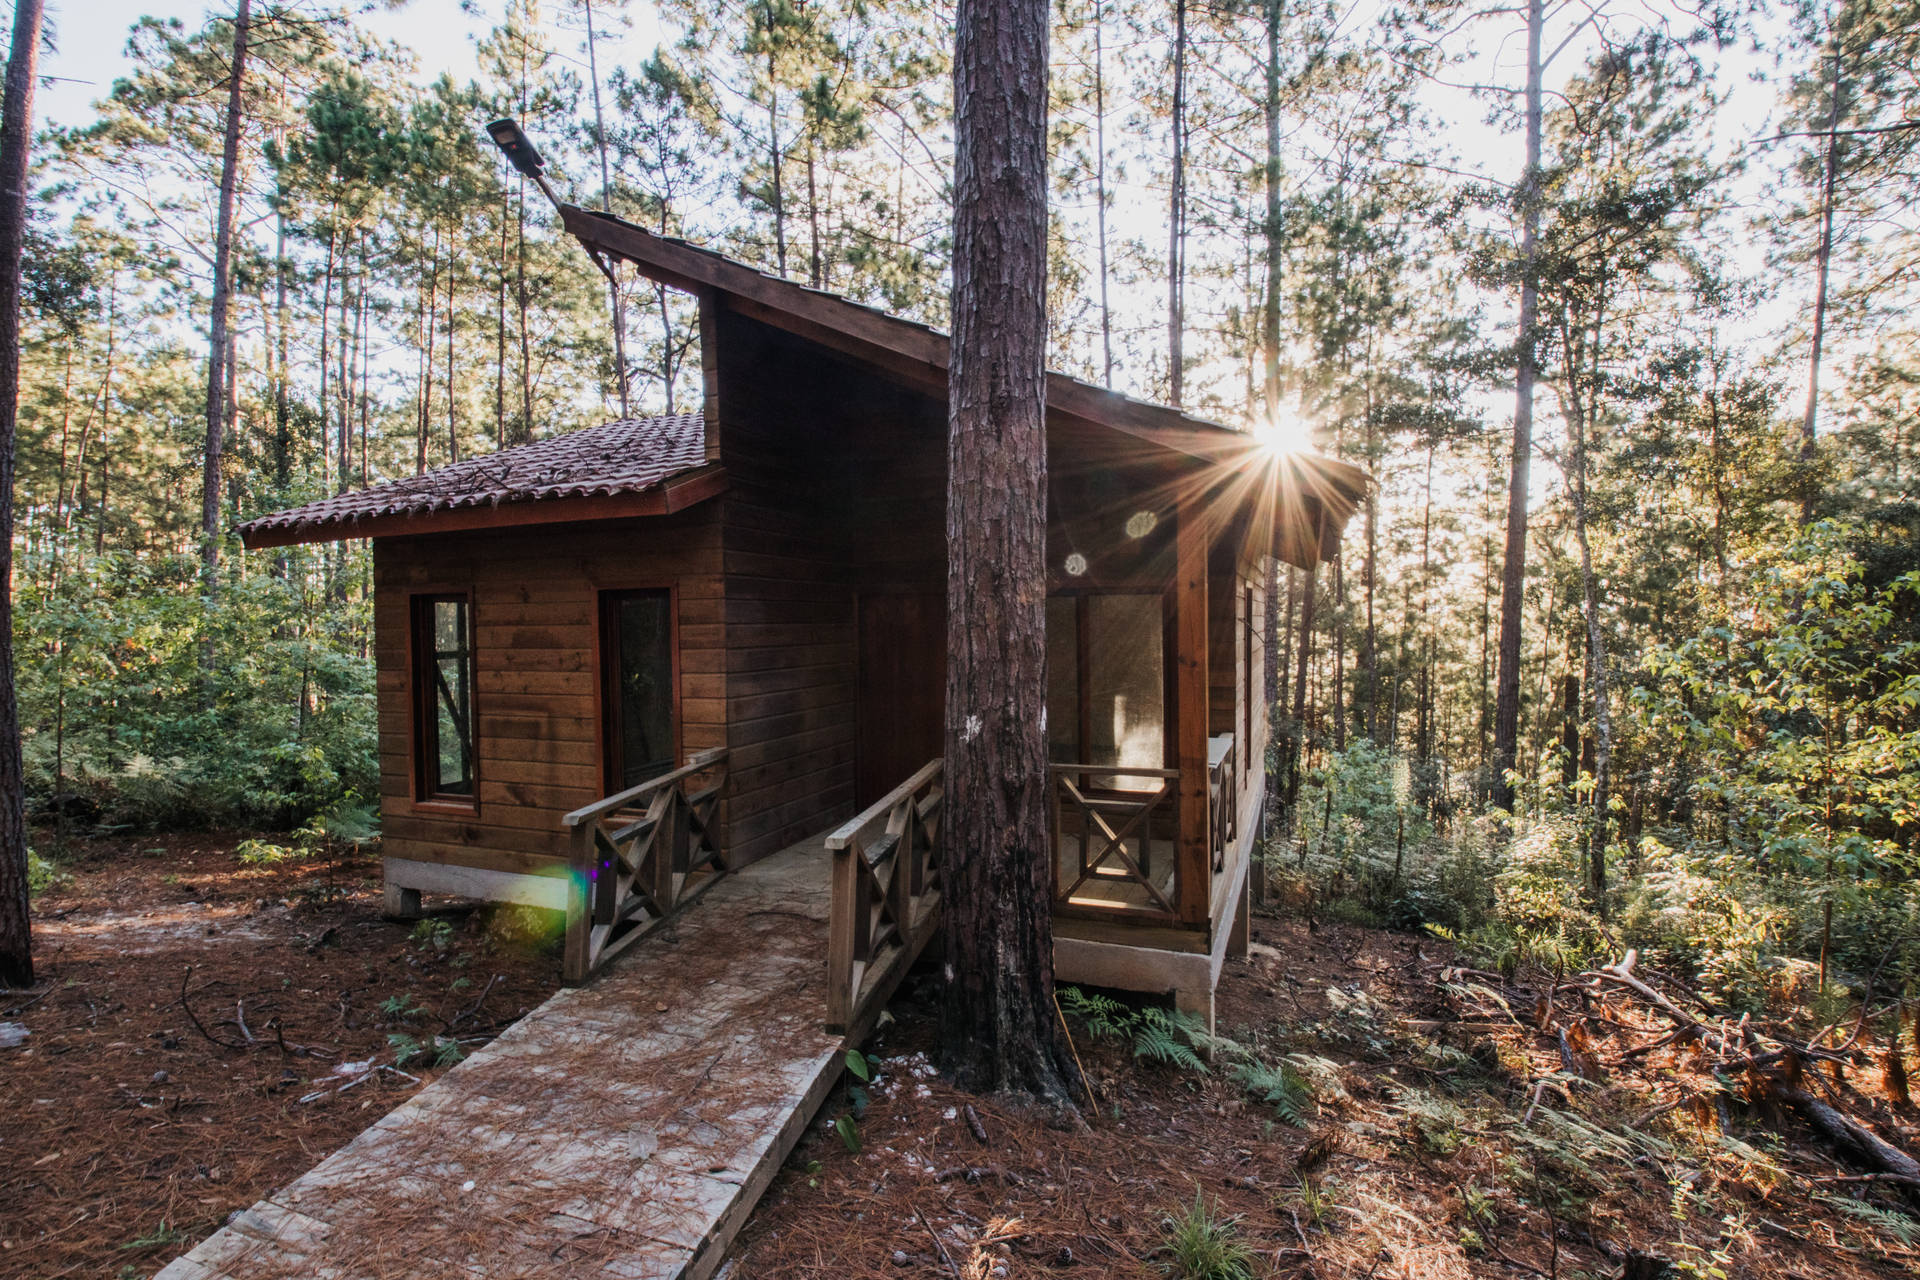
(217, 371)
(1596, 838)
(453, 327)
(1100, 186)
(773, 150)
(1823, 257)
(1276, 243)
(1177, 212)
(999, 1029)
(16, 138)
(282, 322)
(326, 312)
(606, 206)
(814, 276)
(1513, 578)
(525, 431)
(429, 330)
(500, 332)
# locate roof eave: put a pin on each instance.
(676, 494)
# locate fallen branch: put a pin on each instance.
(194, 1018)
(1862, 1143)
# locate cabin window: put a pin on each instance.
(1107, 681)
(636, 639)
(443, 697)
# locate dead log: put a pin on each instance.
(1850, 1136)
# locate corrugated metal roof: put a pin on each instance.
(622, 457)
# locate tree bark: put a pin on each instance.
(1276, 244)
(1100, 186)
(1177, 212)
(999, 1029)
(1513, 578)
(606, 206)
(16, 138)
(217, 371)
(1823, 258)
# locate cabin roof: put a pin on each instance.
(620, 459)
(650, 466)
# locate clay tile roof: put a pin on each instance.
(623, 457)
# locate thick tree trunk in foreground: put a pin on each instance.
(16, 136)
(999, 1030)
(217, 366)
(1513, 577)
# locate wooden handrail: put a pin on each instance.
(626, 874)
(844, 834)
(886, 895)
(697, 762)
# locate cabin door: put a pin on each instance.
(903, 687)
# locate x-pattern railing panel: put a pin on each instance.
(628, 870)
(1103, 825)
(886, 882)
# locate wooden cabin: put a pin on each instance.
(619, 661)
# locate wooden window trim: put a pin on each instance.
(605, 668)
(422, 731)
(1082, 598)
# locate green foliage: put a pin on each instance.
(438, 1051)
(264, 853)
(1280, 1086)
(42, 875)
(1165, 1036)
(433, 934)
(123, 716)
(861, 1068)
(1197, 1243)
(848, 1131)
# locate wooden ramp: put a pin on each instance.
(621, 1129)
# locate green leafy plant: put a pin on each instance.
(42, 875)
(848, 1131)
(1166, 1036)
(1197, 1243)
(265, 853)
(433, 933)
(1280, 1086)
(402, 1007)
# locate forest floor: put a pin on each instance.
(1421, 1156)
(205, 1030)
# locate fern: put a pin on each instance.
(1168, 1038)
(1105, 1017)
(1897, 1225)
(1280, 1087)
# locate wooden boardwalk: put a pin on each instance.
(622, 1129)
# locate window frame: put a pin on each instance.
(607, 672)
(1083, 661)
(424, 735)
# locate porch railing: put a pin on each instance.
(1223, 797)
(886, 895)
(1115, 848)
(639, 855)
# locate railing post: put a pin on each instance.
(840, 941)
(900, 888)
(579, 926)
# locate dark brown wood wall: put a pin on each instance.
(837, 488)
(537, 687)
